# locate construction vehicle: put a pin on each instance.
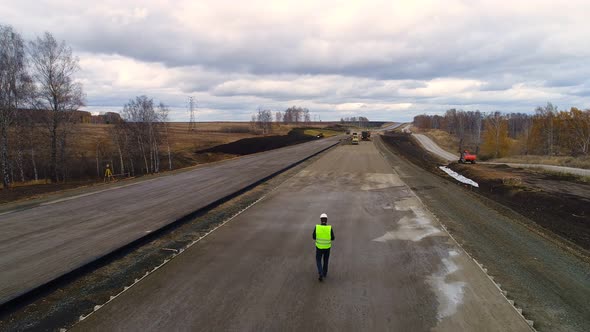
(467, 157)
(366, 135)
(355, 139)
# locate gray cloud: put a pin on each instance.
(336, 57)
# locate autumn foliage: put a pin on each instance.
(548, 131)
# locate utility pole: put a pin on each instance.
(191, 109)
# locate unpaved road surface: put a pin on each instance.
(548, 282)
(44, 242)
(557, 169)
(431, 146)
(392, 266)
(390, 127)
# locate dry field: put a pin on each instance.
(87, 141)
(557, 203)
(568, 161)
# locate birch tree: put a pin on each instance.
(144, 129)
(578, 124)
(496, 135)
(53, 68)
(15, 87)
(546, 116)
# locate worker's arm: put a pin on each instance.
(333, 238)
(313, 234)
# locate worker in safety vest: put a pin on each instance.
(323, 236)
(108, 174)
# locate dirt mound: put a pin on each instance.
(559, 204)
(260, 144)
(409, 150)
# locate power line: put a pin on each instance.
(191, 108)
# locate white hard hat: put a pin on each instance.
(324, 216)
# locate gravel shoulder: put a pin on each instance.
(548, 282)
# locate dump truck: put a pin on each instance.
(366, 135)
(355, 139)
(467, 157)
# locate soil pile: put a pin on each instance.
(260, 144)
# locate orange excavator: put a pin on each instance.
(467, 157)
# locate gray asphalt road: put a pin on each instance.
(392, 266)
(42, 243)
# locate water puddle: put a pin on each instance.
(449, 293)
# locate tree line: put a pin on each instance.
(548, 131)
(139, 138)
(38, 75)
(360, 121)
(39, 107)
(262, 120)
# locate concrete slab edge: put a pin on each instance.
(168, 260)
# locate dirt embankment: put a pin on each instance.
(559, 204)
(260, 144)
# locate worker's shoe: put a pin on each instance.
(321, 278)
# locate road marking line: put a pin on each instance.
(93, 193)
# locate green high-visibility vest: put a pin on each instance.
(323, 236)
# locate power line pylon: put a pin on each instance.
(191, 108)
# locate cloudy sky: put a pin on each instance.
(386, 60)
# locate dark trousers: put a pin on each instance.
(325, 253)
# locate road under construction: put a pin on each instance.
(393, 266)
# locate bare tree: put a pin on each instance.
(579, 127)
(547, 119)
(527, 127)
(14, 88)
(263, 121)
(54, 68)
(144, 130)
(306, 116)
(163, 112)
(294, 114)
(495, 131)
